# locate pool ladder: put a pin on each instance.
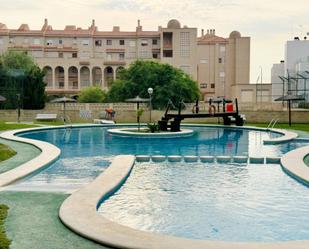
(272, 123)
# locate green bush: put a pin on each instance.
(4, 241)
(91, 94)
(304, 105)
(153, 127)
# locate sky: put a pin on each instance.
(269, 23)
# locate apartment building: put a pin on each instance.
(75, 58)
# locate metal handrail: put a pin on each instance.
(275, 122)
(270, 123)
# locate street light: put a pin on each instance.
(150, 92)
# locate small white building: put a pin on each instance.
(295, 66)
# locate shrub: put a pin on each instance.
(4, 241)
(153, 127)
(91, 94)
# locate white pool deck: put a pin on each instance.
(79, 211)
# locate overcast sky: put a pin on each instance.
(268, 23)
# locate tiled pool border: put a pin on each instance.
(79, 211)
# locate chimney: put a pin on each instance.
(214, 31)
(207, 31)
(202, 32)
(139, 27)
(45, 25)
(116, 29)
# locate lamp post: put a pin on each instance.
(150, 92)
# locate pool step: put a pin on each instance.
(209, 159)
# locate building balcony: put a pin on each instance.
(114, 63)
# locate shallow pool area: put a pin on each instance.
(256, 203)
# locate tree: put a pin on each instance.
(19, 75)
(91, 94)
(168, 83)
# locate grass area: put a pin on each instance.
(299, 127)
(33, 222)
(4, 241)
(306, 160)
(6, 152)
(4, 126)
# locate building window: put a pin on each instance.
(186, 69)
(60, 55)
(49, 43)
(98, 43)
(144, 42)
(132, 43)
(60, 42)
(11, 40)
(121, 56)
(26, 40)
(168, 53)
(36, 41)
(85, 42)
(74, 55)
(222, 74)
(184, 44)
(212, 85)
(220, 60)
(204, 61)
(222, 49)
(121, 42)
(75, 41)
(109, 56)
(109, 42)
(154, 42)
(155, 55)
(203, 85)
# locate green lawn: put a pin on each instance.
(6, 152)
(4, 241)
(299, 127)
(306, 160)
(4, 126)
(33, 222)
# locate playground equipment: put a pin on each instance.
(228, 114)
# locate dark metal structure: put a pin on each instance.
(229, 117)
(289, 99)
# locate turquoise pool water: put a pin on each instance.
(86, 152)
(213, 202)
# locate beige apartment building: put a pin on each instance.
(75, 58)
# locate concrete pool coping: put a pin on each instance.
(130, 133)
(79, 213)
(49, 153)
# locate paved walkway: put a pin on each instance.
(33, 222)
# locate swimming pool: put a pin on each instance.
(87, 151)
(92, 148)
